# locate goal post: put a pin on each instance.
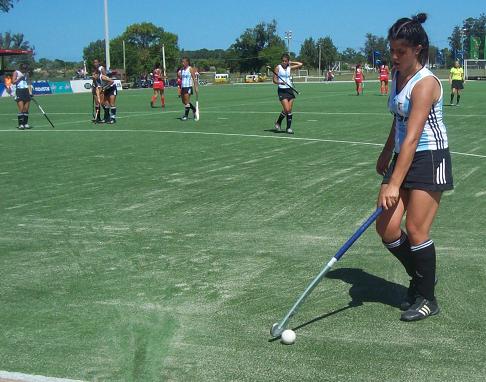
(474, 69)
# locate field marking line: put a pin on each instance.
(225, 135)
(21, 377)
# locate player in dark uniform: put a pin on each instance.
(109, 94)
(285, 93)
(23, 95)
(416, 165)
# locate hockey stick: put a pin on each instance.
(42, 111)
(196, 113)
(279, 327)
(281, 79)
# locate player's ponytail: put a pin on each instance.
(411, 30)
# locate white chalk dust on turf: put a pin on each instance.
(7, 376)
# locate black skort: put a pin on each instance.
(111, 91)
(22, 95)
(187, 90)
(457, 84)
(431, 170)
(285, 94)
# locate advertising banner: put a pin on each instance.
(474, 48)
(60, 87)
(41, 87)
(84, 86)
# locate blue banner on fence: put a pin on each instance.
(60, 87)
(41, 87)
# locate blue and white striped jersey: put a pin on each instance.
(186, 77)
(434, 135)
(284, 75)
(22, 80)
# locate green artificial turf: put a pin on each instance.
(162, 250)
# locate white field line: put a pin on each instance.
(224, 135)
(146, 113)
(12, 376)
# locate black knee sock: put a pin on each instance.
(289, 120)
(97, 111)
(458, 98)
(106, 111)
(20, 118)
(424, 258)
(26, 118)
(113, 112)
(192, 107)
(401, 250)
(280, 118)
(186, 110)
(452, 97)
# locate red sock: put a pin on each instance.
(154, 98)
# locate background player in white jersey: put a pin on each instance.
(188, 86)
(421, 166)
(285, 93)
(23, 94)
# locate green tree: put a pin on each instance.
(16, 41)
(329, 53)
(309, 53)
(6, 5)
(143, 48)
(95, 50)
(247, 49)
(352, 56)
(376, 44)
(460, 36)
(455, 39)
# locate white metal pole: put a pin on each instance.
(124, 61)
(163, 59)
(107, 38)
(319, 60)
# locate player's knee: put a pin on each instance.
(416, 233)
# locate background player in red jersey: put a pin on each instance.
(383, 77)
(358, 78)
(158, 86)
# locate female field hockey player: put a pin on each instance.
(188, 86)
(96, 94)
(415, 164)
(23, 95)
(285, 93)
(109, 95)
(158, 86)
(358, 78)
(456, 79)
(383, 77)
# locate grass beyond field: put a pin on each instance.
(161, 250)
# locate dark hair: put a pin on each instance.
(411, 30)
(187, 59)
(157, 65)
(285, 55)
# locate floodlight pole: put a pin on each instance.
(107, 38)
(124, 61)
(288, 36)
(320, 48)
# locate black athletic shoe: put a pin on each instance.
(422, 308)
(411, 296)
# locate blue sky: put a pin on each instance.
(61, 28)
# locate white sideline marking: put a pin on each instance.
(32, 378)
(220, 134)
